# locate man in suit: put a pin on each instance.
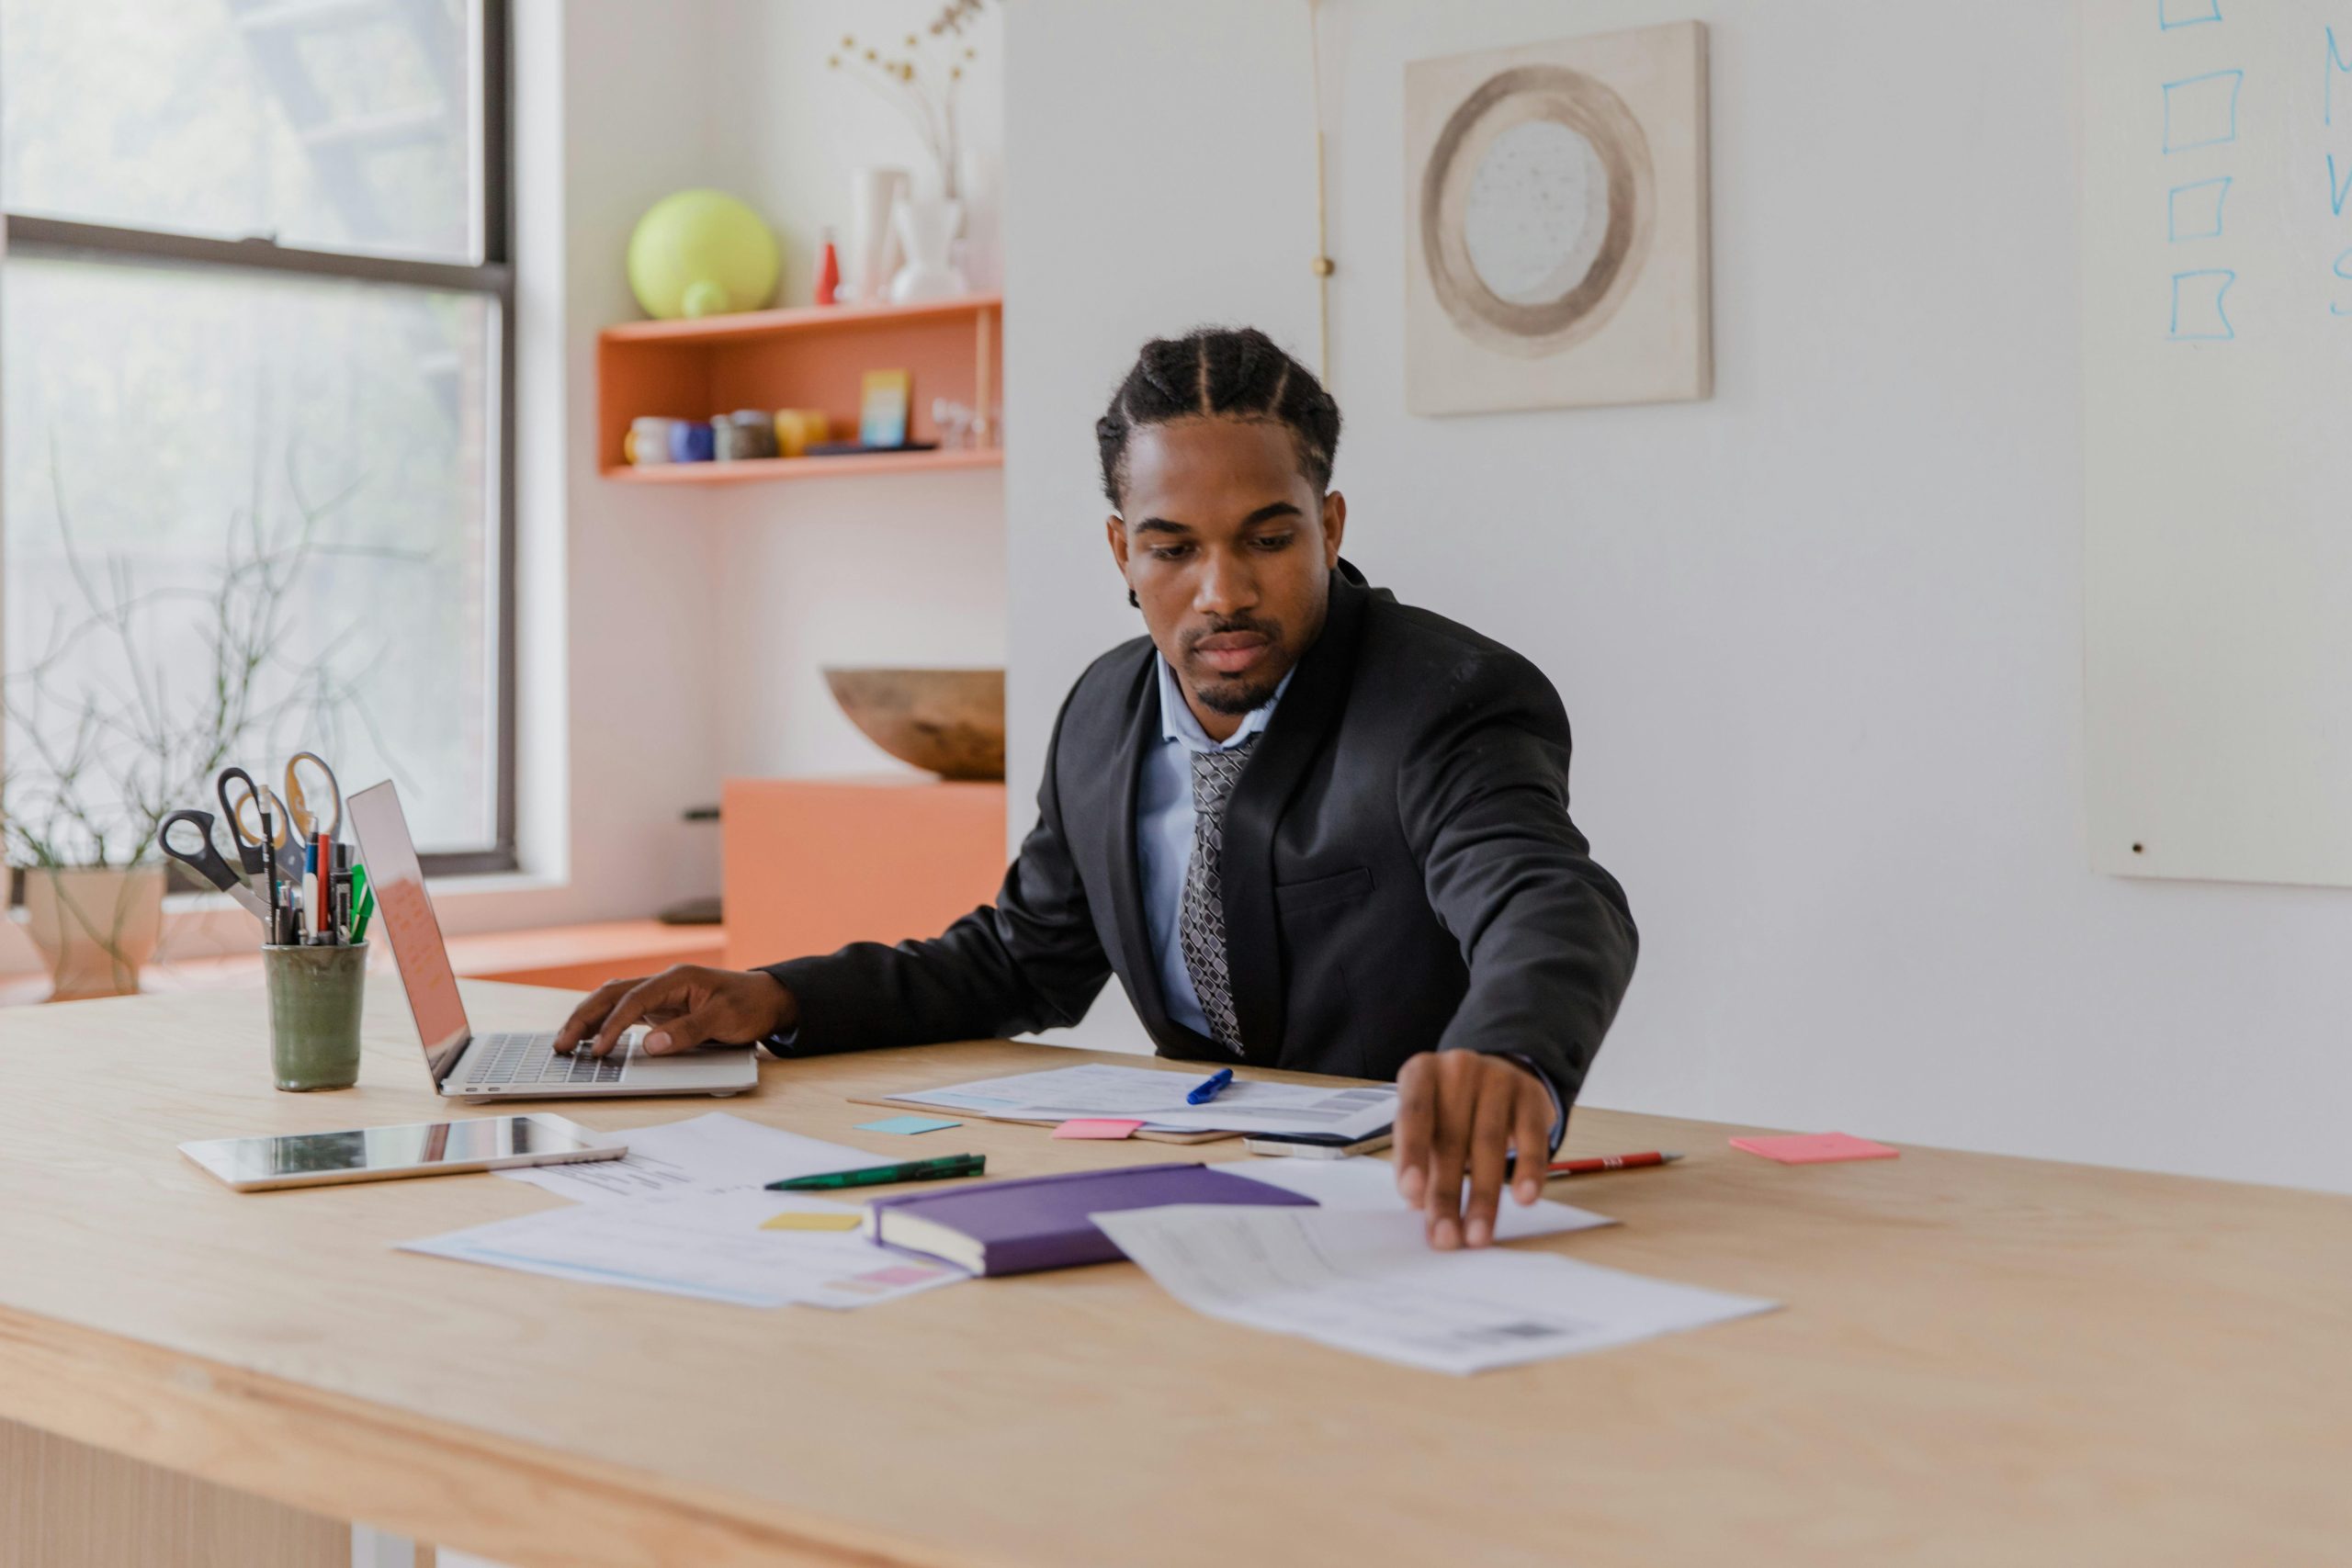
(1307, 826)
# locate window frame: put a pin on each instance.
(44, 237)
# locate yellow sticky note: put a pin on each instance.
(806, 1219)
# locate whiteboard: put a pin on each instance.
(2217, 369)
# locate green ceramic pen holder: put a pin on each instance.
(314, 997)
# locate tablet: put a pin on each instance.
(414, 1148)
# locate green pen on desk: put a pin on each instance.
(938, 1170)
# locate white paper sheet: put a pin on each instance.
(1098, 1088)
(711, 1152)
(706, 1245)
(1368, 1282)
(1361, 1185)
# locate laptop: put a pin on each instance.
(466, 1066)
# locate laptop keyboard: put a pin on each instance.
(506, 1059)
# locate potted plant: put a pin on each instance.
(94, 901)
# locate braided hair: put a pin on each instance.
(1221, 372)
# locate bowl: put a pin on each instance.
(949, 722)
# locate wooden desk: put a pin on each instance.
(1982, 1360)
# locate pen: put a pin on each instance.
(1607, 1162)
(1209, 1087)
(269, 869)
(938, 1170)
(324, 913)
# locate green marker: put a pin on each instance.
(936, 1169)
(363, 903)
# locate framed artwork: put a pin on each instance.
(1556, 224)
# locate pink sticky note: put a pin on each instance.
(1815, 1148)
(900, 1274)
(1096, 1127)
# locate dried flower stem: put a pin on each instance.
(924, 89)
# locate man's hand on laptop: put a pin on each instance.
(684, 1007)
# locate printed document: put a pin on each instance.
(711, 1152)
(706, 1245)
(1368, 1282)
(1367, 1185)
(1065, 1094)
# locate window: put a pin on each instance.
(256, 378)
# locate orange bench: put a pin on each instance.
(570, 957)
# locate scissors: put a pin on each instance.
(310, 823)
(259, 802)
(197, 849)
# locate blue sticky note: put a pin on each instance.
(908, 1124)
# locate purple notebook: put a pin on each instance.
(1039, 1221)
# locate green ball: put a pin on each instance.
(701, 253)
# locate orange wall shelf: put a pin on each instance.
(812, 358)
(752, 470)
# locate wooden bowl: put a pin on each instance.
(949, 722)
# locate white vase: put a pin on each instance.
(927, 227)
(874, 194)
(98, 926)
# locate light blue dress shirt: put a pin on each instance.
(1164, 831)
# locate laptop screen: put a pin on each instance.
(406, 918)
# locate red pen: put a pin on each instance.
(1606, 1162)
(325, 875)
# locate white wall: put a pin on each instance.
(901, 570)
(1820, 636)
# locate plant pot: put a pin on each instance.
(96, 925)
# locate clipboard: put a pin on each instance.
(1208, 1136)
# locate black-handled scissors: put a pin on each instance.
(248, 836)
(195, 848)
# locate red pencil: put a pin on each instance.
(1607, 1162)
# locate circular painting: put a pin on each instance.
(1537, 203)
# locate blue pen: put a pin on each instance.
(1209, 1087)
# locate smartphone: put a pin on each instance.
(413, 1148)
(1313, 1145)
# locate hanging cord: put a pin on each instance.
(1322, 264)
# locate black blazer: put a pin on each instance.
(1400, 874)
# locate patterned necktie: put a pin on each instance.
(1200, 924)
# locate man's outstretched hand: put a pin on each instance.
(1464, 1112)
(687, 1006)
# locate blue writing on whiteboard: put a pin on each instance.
(2336, 65)
(2337, 189)
(2197, 315)
(2171, 14)
(2344, 271)
(2201, 111)
(2195, 210)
